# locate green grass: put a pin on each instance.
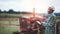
(4, 22)
(14, 15)
(9, 29)
(10, 15)
(9, 22)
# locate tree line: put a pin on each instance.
(11, 11)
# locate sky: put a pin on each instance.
(40, 6)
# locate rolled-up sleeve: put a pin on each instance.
(50, 22)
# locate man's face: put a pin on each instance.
(50, 11)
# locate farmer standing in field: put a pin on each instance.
(50, 24)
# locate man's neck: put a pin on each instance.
(50, 13)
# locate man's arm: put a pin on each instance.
(50, 21)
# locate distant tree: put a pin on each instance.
(0, 11)
(5, 11)
(57, 14)
(11, 11)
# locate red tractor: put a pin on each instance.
(28, 24)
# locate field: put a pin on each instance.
(8, 29)
(8, 25)
(14, 15)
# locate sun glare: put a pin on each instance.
(39, 5)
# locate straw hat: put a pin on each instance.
(52, 8)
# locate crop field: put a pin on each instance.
(14, 15)
(8, 23)
(8, 27)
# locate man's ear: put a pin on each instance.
(52, 11)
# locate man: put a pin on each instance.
(50, 24)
